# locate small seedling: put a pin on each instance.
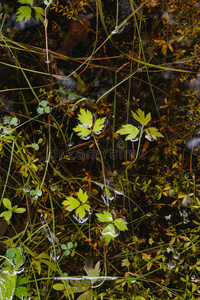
(11, 121)
(43, 107)
(67, 248)
(36, 145)
(10, 210)
(35, 194)
(109, 232)
(79, 205)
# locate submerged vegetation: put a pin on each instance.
(100, 147)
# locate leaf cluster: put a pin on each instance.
(10, 210)
(25, 11)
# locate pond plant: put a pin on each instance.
(99, 150)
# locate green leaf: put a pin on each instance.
(99, 125)
(120, 224)
(82, 130)
(85, 117)
(105, 217)
(39, 13)
(67, 253)
(82, 196)
(43, 103)
(23, 12)
(71, 203)
(40, 110)
(93, 272)
(86, 295)
(140, 117)
(13, 121)
(7, 203)
(64, 247)
(8, 278)
(109, 233)
(70, 245)
(80, 85)
(30, 2)
(129, 129)
(80, 211)
(35, 146)
(80, 286)
(7, 215)
(19, 210)
(59, 287)
(153, 133)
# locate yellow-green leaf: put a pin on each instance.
(129, 129)
(82, 130)
(99, 125)
(82, 196)
(80, 211)
(71, 203)
(85, 117)
(140, 117)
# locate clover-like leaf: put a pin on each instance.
(82, 130)
(152, 133)
(109, 233)
(71, 203)
(105, 217)
(99, 125)
(83, 197)
(120, 224)
(85, 117)
(140, 117)
(129, 129)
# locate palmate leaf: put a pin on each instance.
(82, 130)
(129, 129)
(85, 117)
(71, 203)
(23, 12)
(140, 117)
(99, 125)
(120, 224)
(153, 133)
(105, 217)
(83, 197)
